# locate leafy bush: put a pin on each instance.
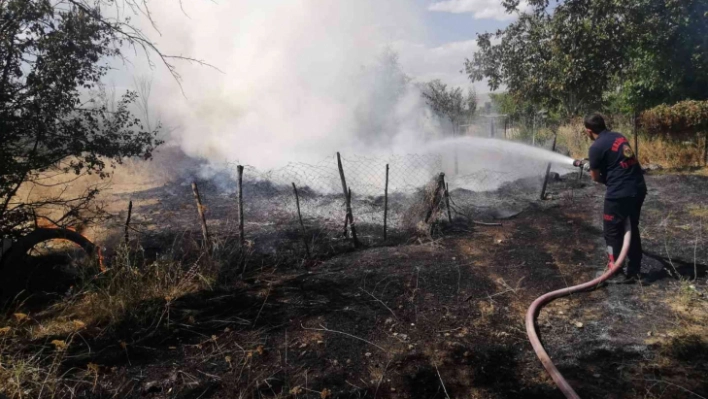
(682, 119)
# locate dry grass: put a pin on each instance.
(670, 154)
(700, 212)
(30, 373)
(688, 340)
(428, 207)
(133, 290)
(132, 176)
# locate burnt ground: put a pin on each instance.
(437, 318)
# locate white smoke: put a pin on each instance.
(301, 79)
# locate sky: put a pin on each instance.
(299, 78)
(460, 20)
(453, 26)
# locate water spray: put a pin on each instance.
(534, 309)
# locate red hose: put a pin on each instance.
(535, 307)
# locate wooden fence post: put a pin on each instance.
(346, 194)
(202, 217)
(438, 197)
(242, 236)
(385, 204)
(302, 225)
(351, 219)
(346, 222)
(341, 175)
(347, 197)
(548, 172)
(127, 222)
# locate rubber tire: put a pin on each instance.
(15, 256)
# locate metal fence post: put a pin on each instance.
(302, 225)
(548, 171)
(636, 135)
(385, 205)
(242, 236)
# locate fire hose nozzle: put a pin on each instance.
(582, 163)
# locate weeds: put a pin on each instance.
(134, 291)
(26, 373)
(687, 294)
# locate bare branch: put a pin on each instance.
(137, 38)
(381, 302)
(325, 329)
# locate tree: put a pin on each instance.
(54, 55)
(451, 105)
(668, 55)
(504, 103)
(586, 54)
(562, 60)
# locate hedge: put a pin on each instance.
(684, 118)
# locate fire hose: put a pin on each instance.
(534, 309)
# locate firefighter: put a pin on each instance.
(613, 163)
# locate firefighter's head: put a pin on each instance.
(594, 125)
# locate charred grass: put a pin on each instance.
(437, 316)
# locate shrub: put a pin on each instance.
(680, 120)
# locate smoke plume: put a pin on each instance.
(299, 80)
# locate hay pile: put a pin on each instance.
(427, 206)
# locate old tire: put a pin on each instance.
(15, 257)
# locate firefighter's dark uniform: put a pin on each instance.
(620, 171)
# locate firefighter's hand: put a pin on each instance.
(582, 163)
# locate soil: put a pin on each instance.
(439, 318)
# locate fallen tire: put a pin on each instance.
(15, 257)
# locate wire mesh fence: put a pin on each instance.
(271, 223)
(271, 219)
(269, 199)
(364, 175)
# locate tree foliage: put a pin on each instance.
(585, 54)
(520, 110)
(53, 56)
(668, 53)
(450, 104)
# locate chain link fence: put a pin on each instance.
(366, 176)
(271, 211)
(271, 220)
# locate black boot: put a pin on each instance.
(621, 277)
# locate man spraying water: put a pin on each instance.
(613, 163)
